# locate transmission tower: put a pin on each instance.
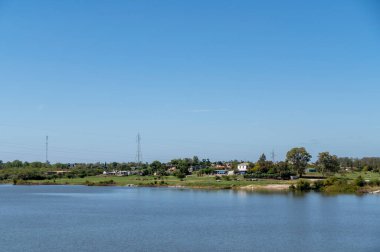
(273, 156)
(47, 149)
(138, 153)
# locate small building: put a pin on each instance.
(111, 173)
(70, 165)
(242, 168)
(220, 172)
(219, 166)
(117, 173)
(172, 170)
(123, 173)
(194, 168)
(310, 169)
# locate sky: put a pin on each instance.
(218, 79)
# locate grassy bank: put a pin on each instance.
(209, 182)
(346, 183)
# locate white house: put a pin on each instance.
(243, 167)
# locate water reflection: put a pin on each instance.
(80, 218)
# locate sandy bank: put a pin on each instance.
(270, 187)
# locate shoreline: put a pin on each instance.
(270, 188)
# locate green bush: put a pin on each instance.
(267, 175)
(318, 185)
(88, 183)
(330, 181)
(181, 175)
(106, 182)
(359, 181)
(303, 185)
(341, 188)
(374, 182)
(226, 178)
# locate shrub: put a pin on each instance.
(266, 175)
(359, 181)
(181, 175)
(330, 181)
(341, 188)
(107, 182)
(374, 182)
(226, 178)
(303, 185)
(88, 183)
(318, 185)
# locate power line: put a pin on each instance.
(47, 149)
(139, 153)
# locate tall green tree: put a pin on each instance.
(262, 165)
(282, 168)
(262, 158)
(195, 160)
(327, 163)
(158, 168)
(183, 166)
(298, 158)
(156, 165)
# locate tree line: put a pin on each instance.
(297, 160)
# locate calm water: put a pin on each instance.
(79, 218)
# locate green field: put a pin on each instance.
(189, 181)
(365, 175)
(203, 182)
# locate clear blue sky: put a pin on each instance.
(218, 79)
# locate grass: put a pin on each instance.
(189, 181)
(365, 175)
(206, 182)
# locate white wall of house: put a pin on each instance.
(242, 167)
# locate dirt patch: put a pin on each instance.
(270, 187)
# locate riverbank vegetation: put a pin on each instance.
(333, 185)
(328, 174)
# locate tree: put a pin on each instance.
(205, 163)
(298, 158)
(16, 163)
(195, 160)
(282, 168)
(262, 165)
(183, 167)
(158, 168)
(359, 181)
(155, 165)
(327, 163)
(262, 158)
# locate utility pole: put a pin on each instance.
(47, 149)
(139, 153)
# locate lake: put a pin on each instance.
(81, 218)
